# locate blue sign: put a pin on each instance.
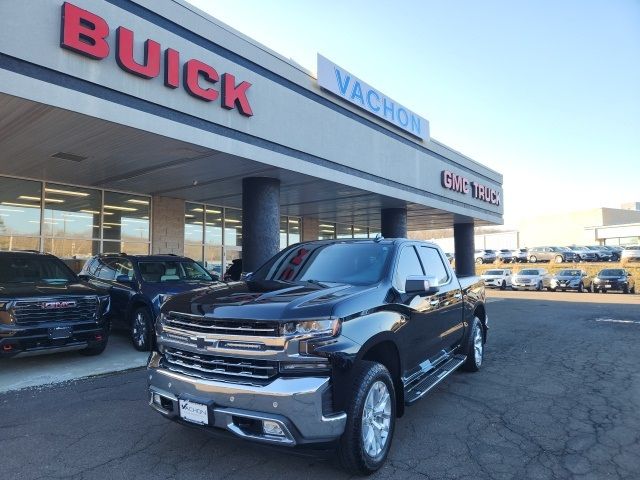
(346, 85)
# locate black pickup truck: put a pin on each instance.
(45, 307)
(324, 344)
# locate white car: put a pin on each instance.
(531, 279)
(631, 253)
(500, 278)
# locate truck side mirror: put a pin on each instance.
(421, 285)
(124, 279)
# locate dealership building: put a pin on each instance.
(147, 126)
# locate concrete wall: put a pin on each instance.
(167, 225)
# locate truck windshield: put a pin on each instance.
(350, 263)
(172, 271)
(18, 269)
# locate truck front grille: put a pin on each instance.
(60, 309)
(202, 324)
(216, 367)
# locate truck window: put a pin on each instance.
(408, 266)
(433, 265)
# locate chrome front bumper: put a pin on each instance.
(293, 403)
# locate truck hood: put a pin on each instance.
(47, 289)
(266, 300)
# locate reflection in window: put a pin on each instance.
(283, 232)
(213, 228)
(294, 230)
(360, 232)
(327, 231)
(213, 260)
(132, 248)
(20, 202)
(343, 231)
(193, 231)
(233, 227)
(126, 217)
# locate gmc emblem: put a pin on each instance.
(56, 305)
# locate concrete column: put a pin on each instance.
(463, 239)
(310, 229)
(167, 229)
(394, 222)
(260, 221)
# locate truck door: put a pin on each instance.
(447, 316)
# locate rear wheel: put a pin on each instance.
(539, 287)
(142, 329)
(580, 287)
(479, 261)
(559, 259)
(533, 259)
(371, 417)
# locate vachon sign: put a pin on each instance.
(86, 33)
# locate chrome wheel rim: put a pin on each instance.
(139, 329)
(376, 419)
(477, 346)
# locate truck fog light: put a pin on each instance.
(272, 428)
(156, 399)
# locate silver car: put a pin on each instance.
(520, 255)
(531, 279)
(485, 256)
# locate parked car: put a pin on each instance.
(505, 255)
(551, 254)
(571, 279)
(45, 307)
(602, 253)
(139, 284)
(614, 279)
(583, 254)
(499, 277)
(325, 343)
(520, 255)
(631, 253)
(616, 252)
(485, 256)
(531, 279)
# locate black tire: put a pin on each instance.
(351, 449)
(142, 332)
(533, 259)
(472, 364)
(479, 261)
(96, 349)
(625, 290)
(580, 287)
(539, 287)
(559, 259)
(590, 289)
(503, 286)
(633, 290)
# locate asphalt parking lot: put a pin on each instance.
(558, 397)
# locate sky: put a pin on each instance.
(546, 92)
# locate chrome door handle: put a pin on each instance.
(434, 303)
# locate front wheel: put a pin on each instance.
(479, 261)
(539, 287)
(142, 329)
(533, 259)
(371, 417)
(559, 259)
(633, 290)
(580, 287)
(503, 286)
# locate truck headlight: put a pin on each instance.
(163, 297)
(105, 304)
(312, 327)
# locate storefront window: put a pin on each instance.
(360, 232)
(132, 248)
(343, 231)
(126, 217)
(373, 233)
(20, 202)
(213, 228)
(193, 231)
(327, 231)
(232, 227)
(213, 260)
(294, 230)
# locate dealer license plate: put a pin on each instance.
(56, 333)
(194, 412)
(608, 285)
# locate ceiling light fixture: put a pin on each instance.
(124, 209)
(66, 192)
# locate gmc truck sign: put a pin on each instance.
(458, 183)
(86, 33)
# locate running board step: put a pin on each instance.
(420, 389)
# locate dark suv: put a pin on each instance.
(139, 284)
(44, 307)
